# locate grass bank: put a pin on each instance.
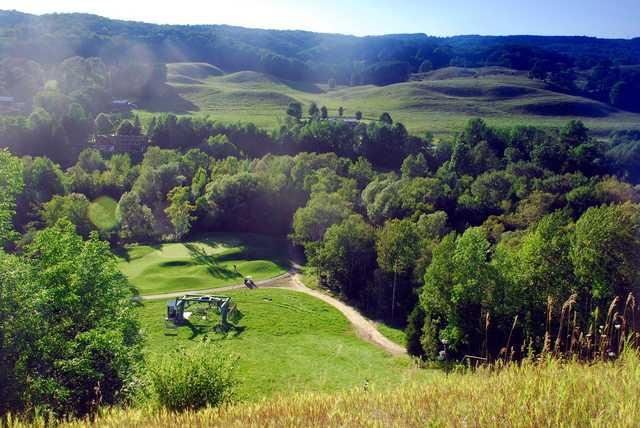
(550, 394)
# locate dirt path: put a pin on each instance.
(364, 328)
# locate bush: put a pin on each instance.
(202, 376)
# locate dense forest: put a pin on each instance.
(602, 69)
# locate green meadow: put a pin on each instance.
(440, 102)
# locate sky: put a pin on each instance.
(601, 18)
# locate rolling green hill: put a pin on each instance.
(440, 101)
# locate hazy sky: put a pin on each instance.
(603, 18)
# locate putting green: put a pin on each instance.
(212, 261)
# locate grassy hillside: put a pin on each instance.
(549, 394)
(286, 342)
(204, 263)
(440, 102)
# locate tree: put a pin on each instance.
(415, 324)
(295, 110)
(414, 166)
(74, 207)
(127, 128)
(397, 246)
(12, 184)
(90, 160)
(220, 147)
(324, 112)
(321, 212)
(457, 286)
(180, 211)
(426, 66)
(79, 347)
(606, 252)
(386, 118)
(198, 183)
(540, 70)
(313, 110)
(136, 220)
(625, 96)
(348, 254)
(358, 115)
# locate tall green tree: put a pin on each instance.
(606, 252)
(12, 184)
(348, 254)
(180, 211)
(294, 109)
(82, 346)
(321, 212)
(397, 246)
(74, 207)
(136, 220)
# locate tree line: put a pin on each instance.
(294, 55)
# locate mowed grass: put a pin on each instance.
(545, 394)
(286, 342)
(212, 261)
(442, 103)
(102, 213)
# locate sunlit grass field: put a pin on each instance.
(441, 104)
(208, 262)
(548, 394)
(102, 213)
(286, 342)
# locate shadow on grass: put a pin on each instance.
(169, 101)
(201, 257)
(122, 253)
(203, 329)
(309, 88)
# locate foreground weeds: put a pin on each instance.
(543, 394)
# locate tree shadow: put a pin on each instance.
(211, 263)
(169, 101)
(203, 329)
(310, 88)
(122, 253)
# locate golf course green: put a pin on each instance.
(211, 261)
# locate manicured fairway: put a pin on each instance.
(286, 341)
(204, 263)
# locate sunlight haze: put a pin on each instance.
(492, 17)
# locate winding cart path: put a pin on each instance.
(365, 329)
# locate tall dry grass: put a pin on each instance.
(545, 393)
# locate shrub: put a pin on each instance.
(202, 376)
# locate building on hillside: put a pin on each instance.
(110, 144)
(122, 106)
